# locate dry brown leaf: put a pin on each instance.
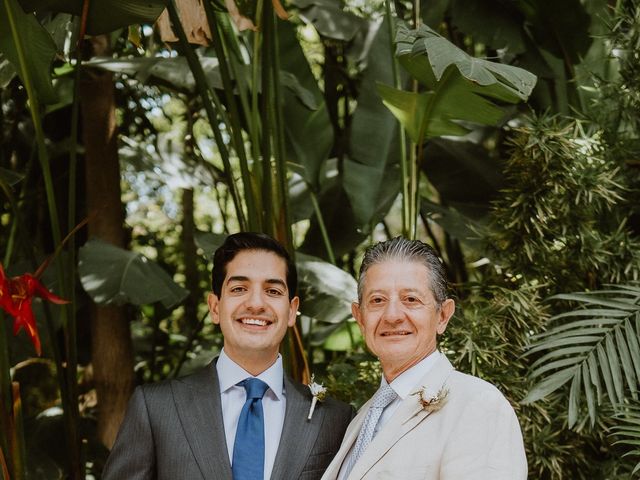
(242, 22)
(194, 22)
(279, 9)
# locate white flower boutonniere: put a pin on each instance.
(432, 401)
(318, 392)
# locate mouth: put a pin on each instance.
(258, 322)
(395, 333)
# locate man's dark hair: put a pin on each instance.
(401, 249)
(242, 241)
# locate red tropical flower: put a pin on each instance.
(16, 295)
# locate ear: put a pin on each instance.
(293, 311)
(357, 314)
(447, 309)
(213, 302)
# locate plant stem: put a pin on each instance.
(208, 96)
(402, 136)
(323, 228)
(284, 219)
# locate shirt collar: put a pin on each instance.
(230, 374)
(407, 381)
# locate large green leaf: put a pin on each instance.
(330, 19)
(308, 130)
(460, 88)
(38, 46)
(464, 173)
(111, 275)
(373, 143)
(600, 349)
(326, 290)
(104, 15)
(173, 73)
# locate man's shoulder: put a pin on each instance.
(198, 379)
(474, 388)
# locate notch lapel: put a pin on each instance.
(197, 400)
(349, 439)
(408, 415)
(298, 434)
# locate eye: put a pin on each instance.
(376, 300)
(274, 292)
(237, 289)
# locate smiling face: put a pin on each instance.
(254, 310)
(399, 316)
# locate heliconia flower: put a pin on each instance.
(16, 295)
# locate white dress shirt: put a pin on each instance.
(404, 385)
(233, 399)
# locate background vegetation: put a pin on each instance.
(504, 133)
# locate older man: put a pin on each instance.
(239, 417)
(427, 421)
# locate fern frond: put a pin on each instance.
(627, 431)
(591, 346)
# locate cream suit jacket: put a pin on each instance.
(474, 436)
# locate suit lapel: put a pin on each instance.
(298, 434)
(408, 415)
(349, 439)
(197, 400)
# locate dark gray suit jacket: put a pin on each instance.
(173, 430)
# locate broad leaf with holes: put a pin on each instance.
(459, 87)
(595, 347)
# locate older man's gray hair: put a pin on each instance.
(401, 249)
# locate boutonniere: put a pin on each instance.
(318, 392)
(432, 401)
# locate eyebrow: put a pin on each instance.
(402, 290)
(242, 278)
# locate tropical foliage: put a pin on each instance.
(503, 133)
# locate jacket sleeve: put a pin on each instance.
(133, 454)
(486, 443)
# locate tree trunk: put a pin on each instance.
(190, 253)
(112, 351)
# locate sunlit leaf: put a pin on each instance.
(111, 275)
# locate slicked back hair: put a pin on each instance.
(403, 250)
(246, 241)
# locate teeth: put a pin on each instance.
(388, 334)
(254, 321)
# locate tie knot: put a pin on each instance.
(254, 387)
(383, 397)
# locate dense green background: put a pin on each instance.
(502, 132)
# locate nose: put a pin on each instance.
(393, 312)
(255, 301)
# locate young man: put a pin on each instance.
(240, 417)
(427, 421)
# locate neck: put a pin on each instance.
(393, 371)
(254, 363)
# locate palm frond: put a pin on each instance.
(595, 347)
(627, 432)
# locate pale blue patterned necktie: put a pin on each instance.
(381, 399)
(248, 448)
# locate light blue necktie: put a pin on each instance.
(381, 399)
(248, 449)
